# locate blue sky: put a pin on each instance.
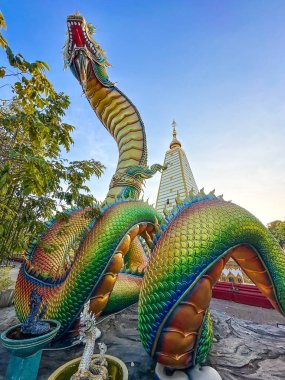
(216, 66)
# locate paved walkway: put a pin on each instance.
(251, 313)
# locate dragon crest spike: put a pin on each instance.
(178, 200)
(192, 192)
(86, 308)
(165, 211)
(202, 192)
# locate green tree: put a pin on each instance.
(36, 183)
(277, 228)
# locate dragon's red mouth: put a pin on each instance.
(76, 31)
(78, 35)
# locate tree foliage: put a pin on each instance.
(35, 181)
(277, 228)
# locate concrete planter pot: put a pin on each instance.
(6, 298)
(25, 354)
(117, 369)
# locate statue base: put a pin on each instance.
(23, 368)
(196, 373)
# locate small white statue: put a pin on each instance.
(96, 369)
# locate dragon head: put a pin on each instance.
(83, 54)
(87, 321)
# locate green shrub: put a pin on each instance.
(5, 280)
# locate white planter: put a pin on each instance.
(117, 369)
(6, 298)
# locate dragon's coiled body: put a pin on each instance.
(96, 265)
(103, 259)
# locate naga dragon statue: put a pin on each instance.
(33, 325)
(132, 252)
(96, 369)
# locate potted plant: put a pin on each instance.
(25, 341)
(117, 369)
(89, 366)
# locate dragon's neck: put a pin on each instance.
(121, 118)
(88, 350)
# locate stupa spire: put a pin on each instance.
(174, 128)
(174, 143)
(177, 179)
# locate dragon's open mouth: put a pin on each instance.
(78, 34)
(83, 54)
